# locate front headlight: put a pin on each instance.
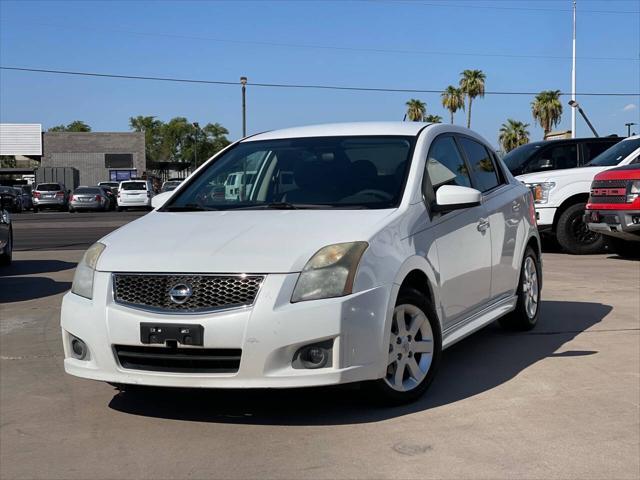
(633, 190)
(83, 278)
(330, 272)
(541, 191)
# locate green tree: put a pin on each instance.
(452, 100)
(75, 126)
(152, 129)
(472, 84)
(513, 134)
(546, 109)
(433, 118)
(416, 110)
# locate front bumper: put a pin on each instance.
(544, 218)
(268, 333)
(623, 224)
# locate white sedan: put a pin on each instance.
(394, 241)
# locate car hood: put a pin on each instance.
(577, 174)
(247, 241)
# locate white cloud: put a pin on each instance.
(629, 107)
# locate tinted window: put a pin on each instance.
(327, 172)
(615, 154)
(48, 187)
(516, 159)
(553, 158)
(593, 149)
(134, 186)
(484, 170)
(445, 165)
(118, 160)
(87, 190)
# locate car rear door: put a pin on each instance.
(461, 236)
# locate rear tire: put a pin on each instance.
(525, 316)
(415, 347)
(120, 209)
(7, 254)
(574, 236)
(624, 248)
(35, 209)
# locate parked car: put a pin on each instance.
(614, 209)
(556, 154)
(113, 200)
(26, 194)
(398, 240)
(236, 182)
(561, 197)
(49, 195)
(6, 230)
(15, 204)
(170, 185)
(112, 185)
(88, 198)
(135, 194)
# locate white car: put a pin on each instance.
(398, 240)
(561, 197)
(135, 194)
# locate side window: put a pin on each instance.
(593, 149)
(554, 158)
(635, 160)
(484, 170)
(445, 165)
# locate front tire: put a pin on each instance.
(624, 248)
(7, 254)
(573, 234)
(415, 349)
(525, 316)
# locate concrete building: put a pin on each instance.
(98, 156)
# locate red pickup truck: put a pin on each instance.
(614, 209)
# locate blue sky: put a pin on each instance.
(222, 40)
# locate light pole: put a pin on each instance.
(575, 105)
(243, 82)
(573, 76)
(629, 125)
(196, 125)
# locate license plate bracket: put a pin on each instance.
(160, 333)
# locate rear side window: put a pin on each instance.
(445, 165)
(48, 187)
(134, 186)
(482, 165)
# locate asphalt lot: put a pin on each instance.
(562, 401)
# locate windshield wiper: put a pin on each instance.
(189, 207)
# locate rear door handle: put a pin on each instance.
(483, 224)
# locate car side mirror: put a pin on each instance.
(159, 200)
(455, 197)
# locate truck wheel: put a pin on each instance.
(624, 248)
(525, 316)
(574, 236)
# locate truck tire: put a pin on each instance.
(574, 236)
(624, 248)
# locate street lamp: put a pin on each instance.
(629, 125)
(575, 104)
(196, 125)
(243, 82)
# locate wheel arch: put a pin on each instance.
(572, 200)
(417, 273)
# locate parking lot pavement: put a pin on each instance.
(561, 401)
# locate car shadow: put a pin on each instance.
(21, 289)
(30, 267)
(479, 363)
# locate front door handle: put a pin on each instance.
(515, 206)
(483, 224)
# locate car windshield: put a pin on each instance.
(515, 158)
(48, 187)
(320, 172)
(93, 191)
(615, 154)
(134, 186)
(168, 186)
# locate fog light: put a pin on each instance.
(78, 348)
(317, 355)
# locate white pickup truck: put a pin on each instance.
(561, 196)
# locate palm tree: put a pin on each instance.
(513, 134)
(433, 118)
(453, 100)
(547, 109)
(472, 85)
(416, 110)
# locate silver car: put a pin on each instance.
(49, 195)
(88, 198)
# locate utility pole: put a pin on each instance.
(573, 75)
(243, 82)
(629, 125)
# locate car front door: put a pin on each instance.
(462, 237)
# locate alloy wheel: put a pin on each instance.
(530, 288)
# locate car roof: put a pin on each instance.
(343, 129)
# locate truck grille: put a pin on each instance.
(608, 199)
(609, 184)
(204, 292)
(182, 360)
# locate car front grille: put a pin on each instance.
(205, 292)
(609, 184)
(181, 360)
(608, 199)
